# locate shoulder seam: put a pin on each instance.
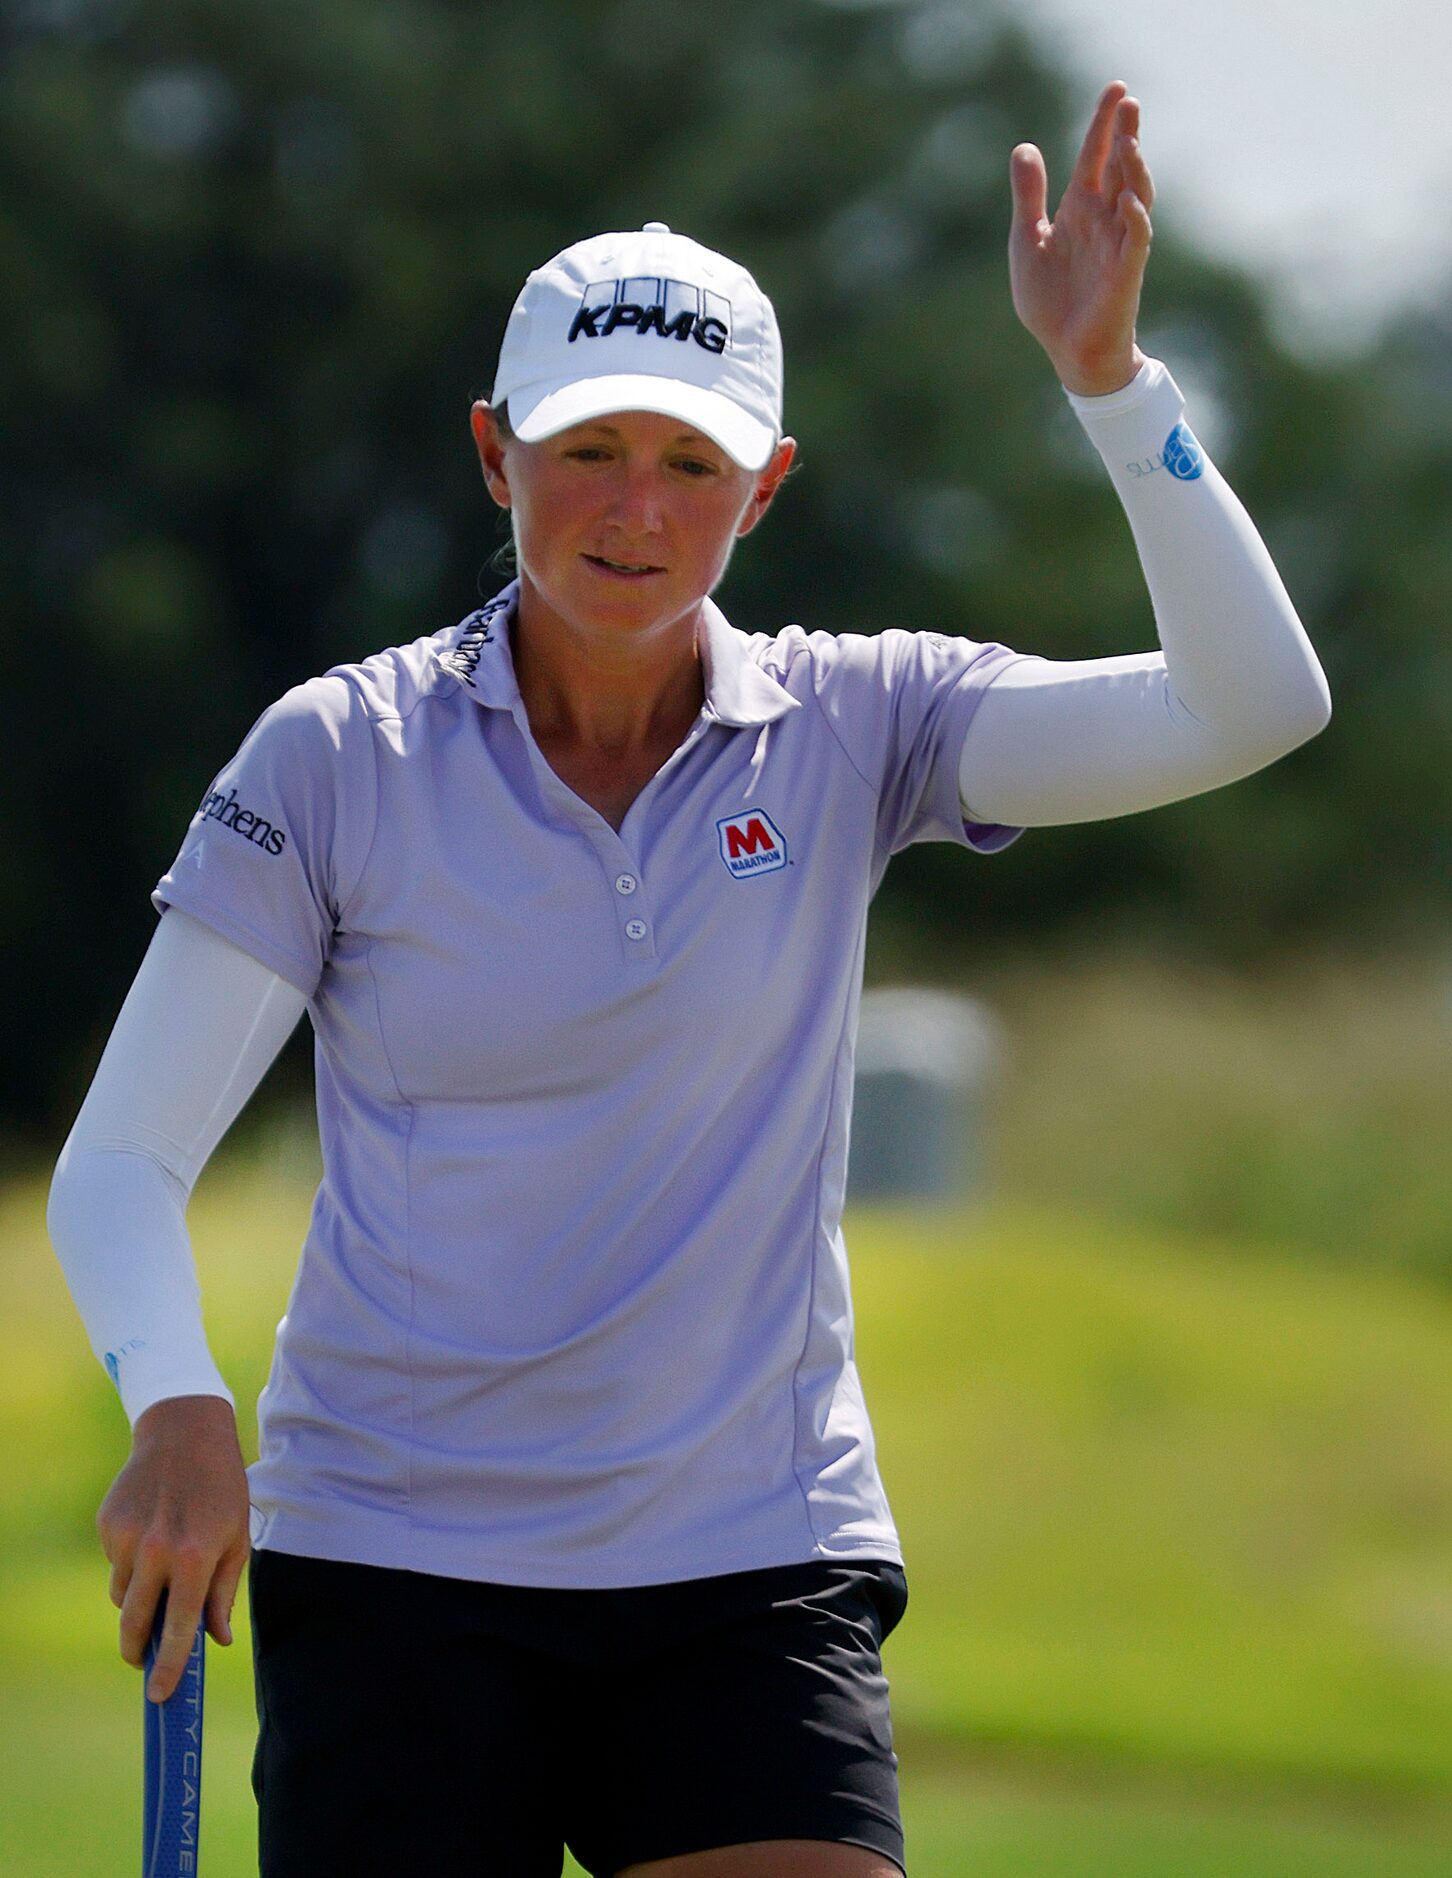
(370, 721)
(424, 697)
(832, 728)
(374, 719)
(347, 675)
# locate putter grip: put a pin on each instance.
(172, 1808)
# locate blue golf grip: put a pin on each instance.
(172, 1792)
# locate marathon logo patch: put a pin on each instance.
(671, 309)
(751, 843)
(225, 809)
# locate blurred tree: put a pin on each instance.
(255, 260)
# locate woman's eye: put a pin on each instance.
(587, 453)
(694, 466)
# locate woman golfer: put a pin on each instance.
(567, 1524)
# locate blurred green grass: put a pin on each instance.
(1177, 1509)
(1161, 1500)
(1305, 1104)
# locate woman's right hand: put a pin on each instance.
(177, 1520)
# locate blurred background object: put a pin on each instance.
(1163, 1393)
(925, 1063)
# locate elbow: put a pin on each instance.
(57, 1200)
(1299, 715)
(1323, 704)
(1313, 712)
(1254, 745)
(72, 1205)
(1313, 696)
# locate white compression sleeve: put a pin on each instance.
(199, 1027)
(1235, 685)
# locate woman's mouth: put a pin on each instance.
(622, 570)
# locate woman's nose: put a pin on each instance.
(638, 504)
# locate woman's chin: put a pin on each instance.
(588, 603)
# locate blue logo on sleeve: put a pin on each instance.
(1184, 458)
(112, 1358)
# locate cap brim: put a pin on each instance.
(538, 411)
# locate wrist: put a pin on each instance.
(1100, 378)
(163, 1419)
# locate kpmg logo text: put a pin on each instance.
(672, 309)
(751, 844)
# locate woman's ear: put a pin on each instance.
(491, 452)
(768, 481)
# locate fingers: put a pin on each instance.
(137, 1596)
(144, 1586)
(1135, 170)
(1110, 162)
(223, 1596)
(1111, 159)
(185, 1590)
(1111, 183)
(1094, 152)
(1127, 177)
(1029, 182)
(1138, 231)
(178, 1638)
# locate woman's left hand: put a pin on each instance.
(1076, 280)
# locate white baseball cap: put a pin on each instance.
(644, 321)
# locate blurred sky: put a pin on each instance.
(1312, 140)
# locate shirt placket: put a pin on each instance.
(632, 904)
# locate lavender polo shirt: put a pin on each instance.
(573, 1304)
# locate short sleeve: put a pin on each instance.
(900, 704)
(278, 842)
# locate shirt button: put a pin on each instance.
(625, 883)
(635, 929)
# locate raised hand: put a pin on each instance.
(1076, 280)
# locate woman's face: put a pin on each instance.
(626, 522)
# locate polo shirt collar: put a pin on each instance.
(476, 652)
(738, 692)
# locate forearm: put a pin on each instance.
(117, 1220)
(198, 1029)
(1235, 684)
(1237, 656)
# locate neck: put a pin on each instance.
(611, 690)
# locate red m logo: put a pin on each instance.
(751, 844)
(748, 841)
